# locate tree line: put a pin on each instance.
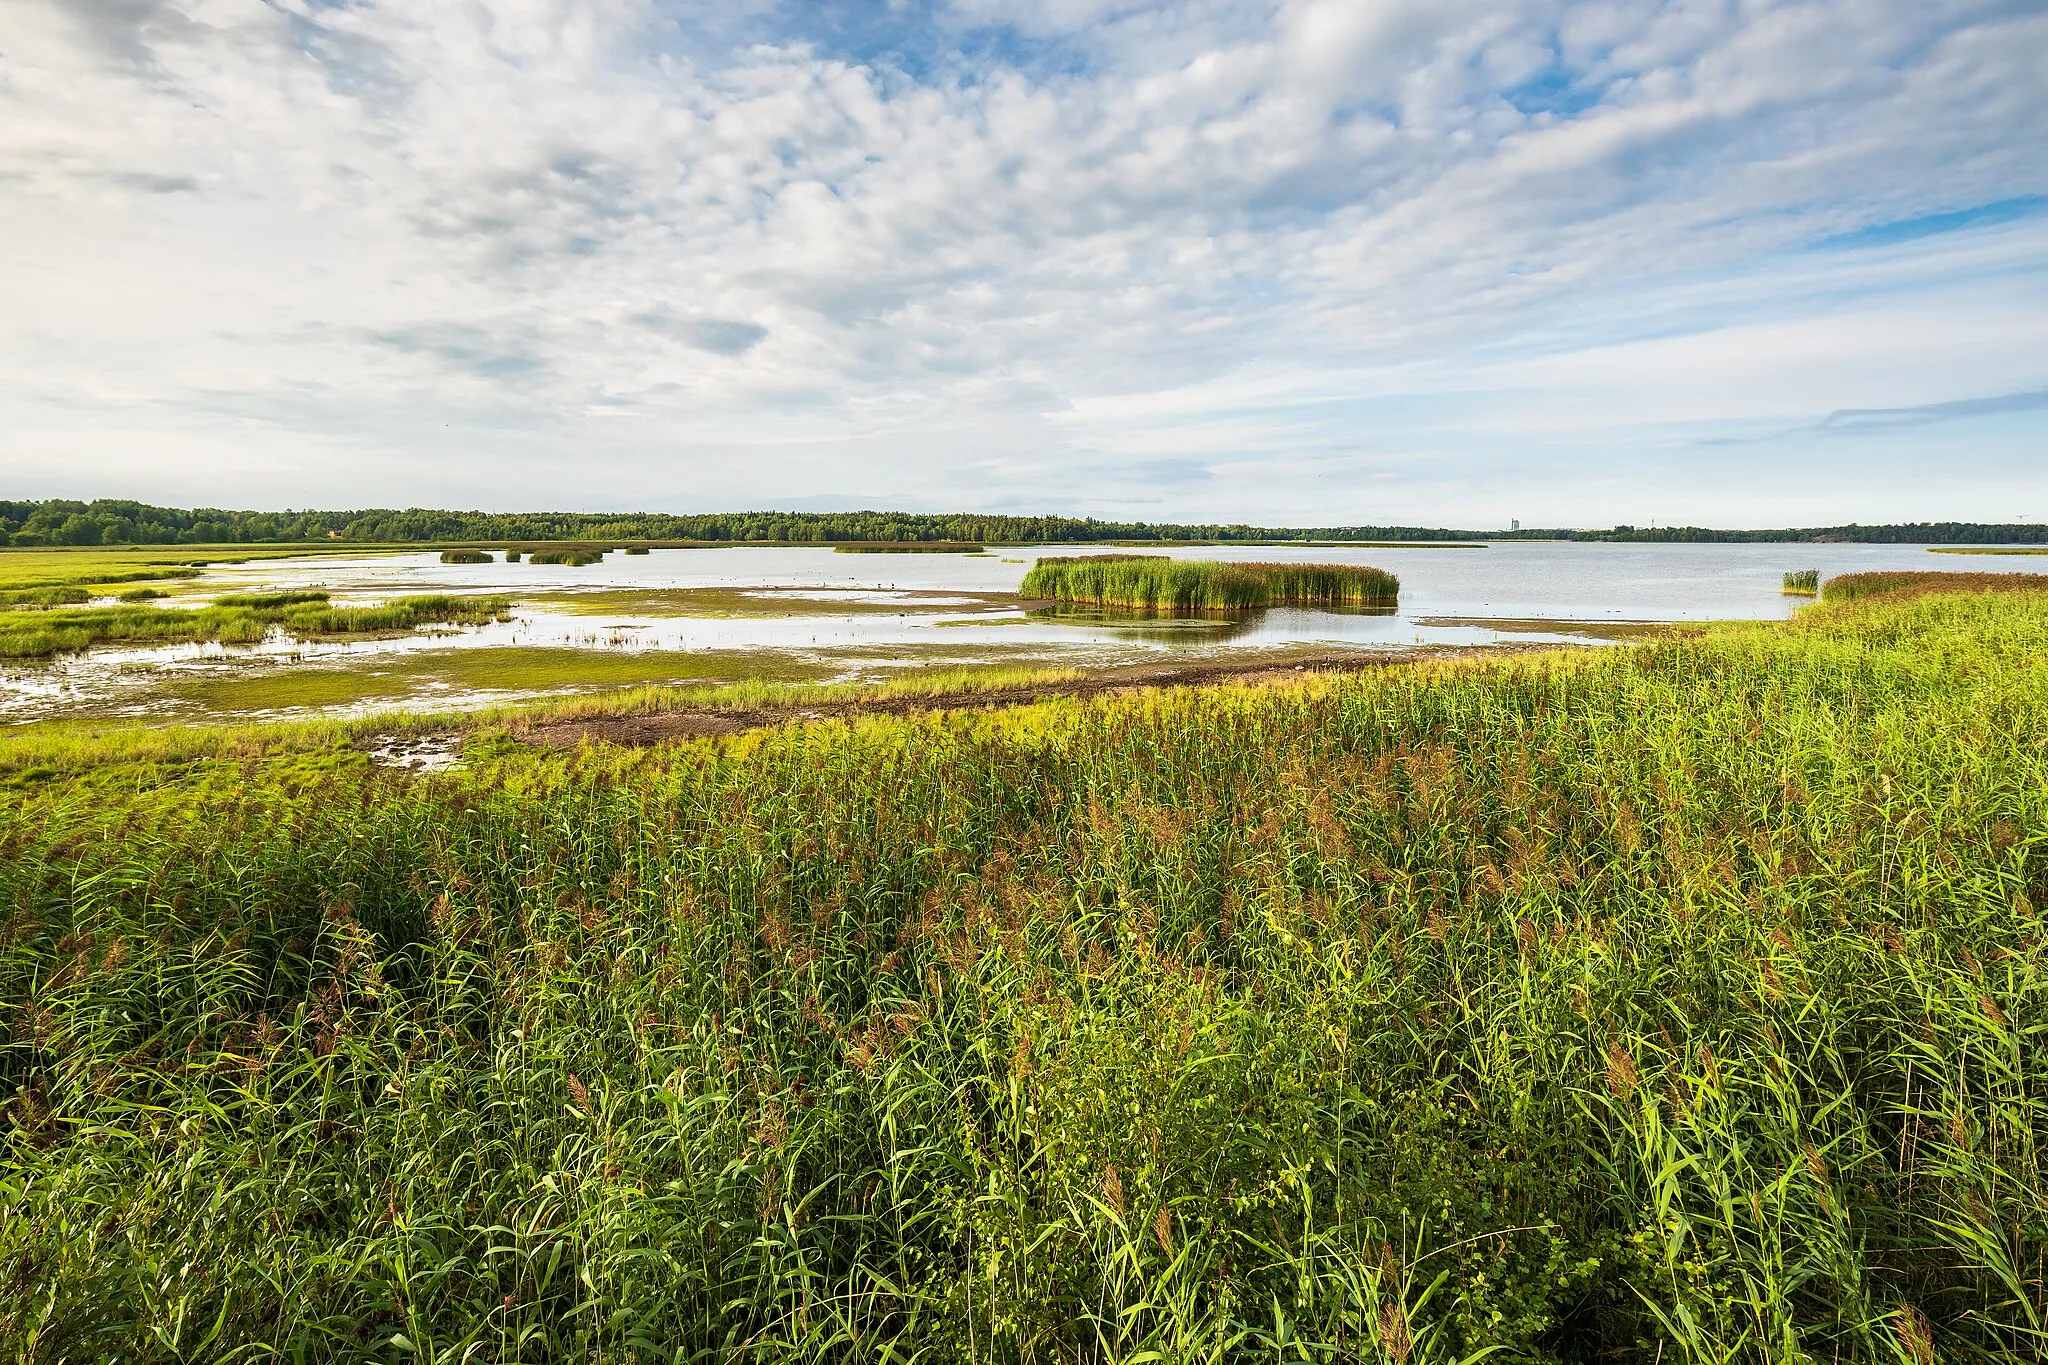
(114, 521)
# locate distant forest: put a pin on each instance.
(61, 521)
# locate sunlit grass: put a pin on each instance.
(236, 619)
(1851, 587)
(1675, 1002)
(1157, 583)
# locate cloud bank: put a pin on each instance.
(1326, 260)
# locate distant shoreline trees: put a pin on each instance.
(110, 521)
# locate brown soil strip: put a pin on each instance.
(710, 722)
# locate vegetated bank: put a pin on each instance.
(243, 618)
(907, 547)
(1157, 583)
(1671, 1003)
(467, 557)
(1851, 587)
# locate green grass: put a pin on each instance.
(466, 557)
(424, 679)
(18, 599)
(1672, 1003)
(796, 688)
(1802, 582)
(264, 601)
(1988, 549)
(280, 687)
(95, 565)
(239, 619)
(1157, 583)
(1853, 587)
(575, 559)
(906, 547)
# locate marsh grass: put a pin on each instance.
(466, 557)
(243, 618)
(1852, 587)
(1674, 1003)
(964, 682)
(906, 547)
(1802, 583)
(1158, 583)
(20, 599)
(575, 559)
(270, 600)
(1988, 549)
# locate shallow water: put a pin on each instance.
(839, 610)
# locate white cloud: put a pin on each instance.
(614, 252)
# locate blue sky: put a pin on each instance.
(1298, 262)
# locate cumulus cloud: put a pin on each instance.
(970, 252)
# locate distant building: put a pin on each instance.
(1515, 524)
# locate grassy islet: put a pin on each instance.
(1159, 583)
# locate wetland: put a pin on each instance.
(286, 632)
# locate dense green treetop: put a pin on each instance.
(60, 521)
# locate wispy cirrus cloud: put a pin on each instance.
(965, 253)
(1891, 419)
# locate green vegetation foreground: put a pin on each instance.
(1675, 1003)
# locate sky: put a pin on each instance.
(1289, 262)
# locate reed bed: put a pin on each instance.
(466, 557)
(1851, 587)
(242, 618)
(907, 547)
(575, 559)
(1802, 583)
(1158, 583)
(30, 599)
(1676, 1003)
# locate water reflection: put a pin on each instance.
(1179, 628)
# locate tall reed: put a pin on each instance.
(1851, 587)
(1158, 583)
(1674, 1003)
(1802, 583)
(241, 618)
